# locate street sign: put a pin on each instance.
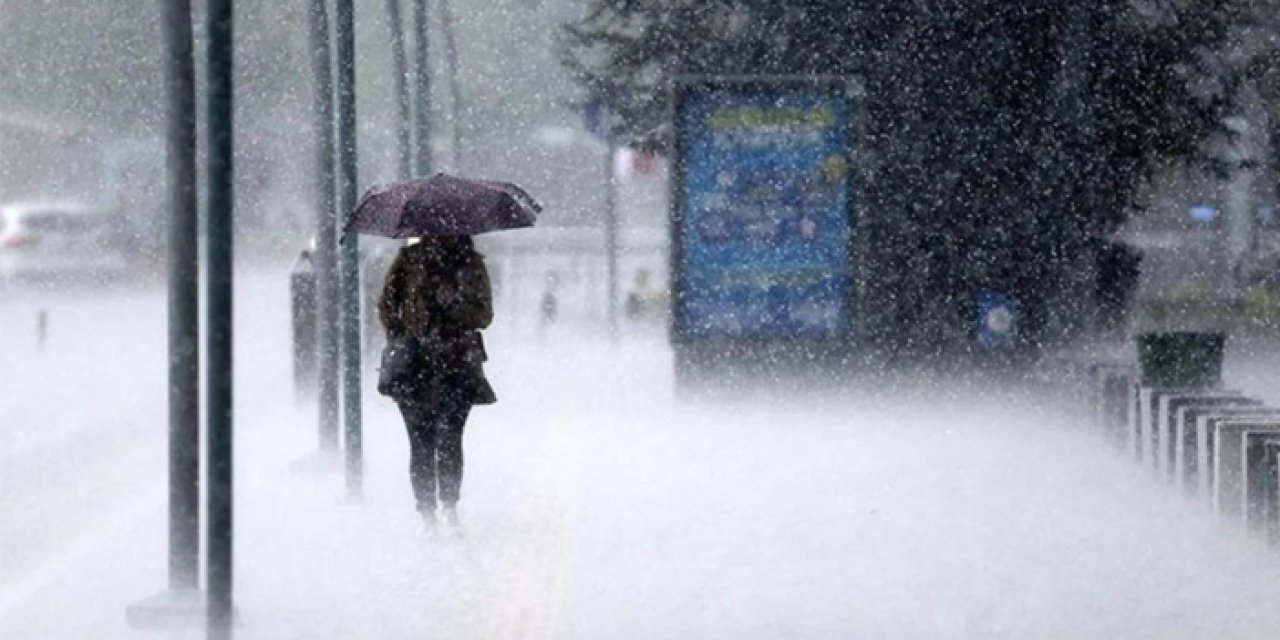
(997, 320)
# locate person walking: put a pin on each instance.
(437, 297)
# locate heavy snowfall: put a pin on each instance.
(935, 483)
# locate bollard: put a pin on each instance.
(548, 305)
(1204, 471)
(42, 328)
(1259, 479)
(1171, 363)
(1169, 408)
(1273, 493)
(1185, 448)
(1230, 493)
(302, 299)
(1112, 390)
(1142, 434)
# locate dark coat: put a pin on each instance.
(447, 328)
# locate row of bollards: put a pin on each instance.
(1170, 414)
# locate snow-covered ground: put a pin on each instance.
(599, 506)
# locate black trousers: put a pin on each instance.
(435, 449)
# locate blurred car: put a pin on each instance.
(58, 240)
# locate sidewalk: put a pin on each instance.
(596, 507)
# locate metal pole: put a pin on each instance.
(349, 254)
(611, 235)
(399, 76)
(455, 93)
(184, 305)
(421, 90)
(326, 225)
(219, 376)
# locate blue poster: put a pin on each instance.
(764, 211)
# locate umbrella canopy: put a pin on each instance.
(442, 205)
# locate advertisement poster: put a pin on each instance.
(763, 211)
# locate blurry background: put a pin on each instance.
(1180, 164)
(82, 117)
(82, 110)
(911, 506)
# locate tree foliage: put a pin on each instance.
(1004, 138)
(1264, 66)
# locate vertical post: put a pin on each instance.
(611, 235)
(326, 224)
(400, 79)
(455, 93)
(184, 306)
(349, 255)
(219, 240)
(421, 90)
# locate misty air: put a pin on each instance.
(653, 319)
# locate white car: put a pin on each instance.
(57, 240)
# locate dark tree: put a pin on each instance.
(1004, 139)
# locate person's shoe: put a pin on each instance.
(429, 522)
(450, 513)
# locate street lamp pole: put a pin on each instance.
(400, 79)
(219, 293)
(326, 224)
(421, 90)
(349, 254)
(184, 305)
(455, 92)
(183, 600)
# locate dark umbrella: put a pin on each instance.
(442, 205)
